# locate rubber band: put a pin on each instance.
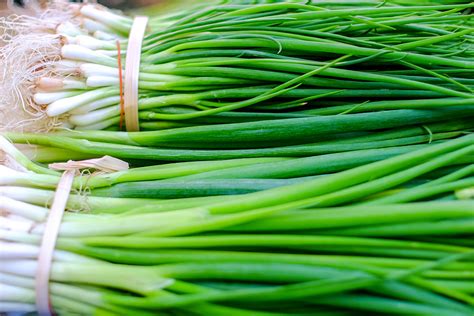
(53, 222)
(105, 164)
(132, 73)
(120, 69)
(48, 243)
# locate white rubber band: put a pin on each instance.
(53, 223)
(105, 164)
(48, 243)
(132, 73)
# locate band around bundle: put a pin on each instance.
(132, 73)
(53, 223)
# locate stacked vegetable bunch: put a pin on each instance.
(330, 245)
(270, 61)
(294, 159)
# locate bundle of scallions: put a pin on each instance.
(243, 61)
(387, 237)
(295, 158)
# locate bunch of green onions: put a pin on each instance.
(395, 232)
(241, 62)
(293, 159)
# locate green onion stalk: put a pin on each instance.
(353, 240)
(193, 179)
(169, 179)
(207, 64)
(160, 185)
(281, 137)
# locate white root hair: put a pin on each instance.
(29, 46)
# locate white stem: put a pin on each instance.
(67, 67)
(108, 18)
(67, 28)
(135, 279)
(32, 212)
(11, 293)
(105, 35)
(15, 280)
(99, 104)
(14, 307)
(13, 250)
(44, 98)
(29, 252)
(19, 237)
(67, 104)
(15, 224)
(86, 295)
(9, 176)
(102, 81)
(74, 84)
(80, 53)
(48, 84)
(45, 197)
(26, 268)
(95, 116)
(111, 53)
(94, 43)
(93, 26)
(66, 39)
(12, 155)
(89, 70)
(28, 195)
(70, 305)
(11, 162)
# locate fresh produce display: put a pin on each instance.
(293, 158)
(273, 61)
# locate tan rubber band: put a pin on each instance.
(105, 164)
(53, 222)
(132, 73)
(48, 243)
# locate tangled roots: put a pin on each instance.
(28, 46)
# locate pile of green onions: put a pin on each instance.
(293, 159)
(271, 60)
(395, 232)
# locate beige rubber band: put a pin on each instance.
(53, 223)
(105, 164)
(48, 243)
(132, 73)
